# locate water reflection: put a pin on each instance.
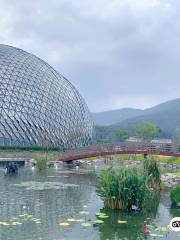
(133, 228)
(49, 205)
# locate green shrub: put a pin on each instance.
(31, 149)
(175, 196)
(151, 170)
(122, 188)
(41, 163)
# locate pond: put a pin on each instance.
(61, 204)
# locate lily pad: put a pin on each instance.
(99, 221)
(122, 222)
(71, 220)
(64, 224)
(40, 186)
(5, 223)
(103, 216)
(161, 229)
(98, 213)
(84, 213)
(86, 224)
(155, 235)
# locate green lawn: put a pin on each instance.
(140, 157)
(163, 159)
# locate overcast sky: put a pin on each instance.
(117, 53)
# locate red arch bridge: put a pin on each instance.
(121, 148)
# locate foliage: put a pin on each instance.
(122, 135)
(148, 130)
(41, 163)
(140, 157)
(151, 170)
(122, 188)
(22, 149)
(175, 196)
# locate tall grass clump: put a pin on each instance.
(175, 196)
(152, 172)
(122, 188)
(41, 163)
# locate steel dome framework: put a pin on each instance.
(38, 106)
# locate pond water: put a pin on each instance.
(33, 204)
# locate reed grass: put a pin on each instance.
(122, 188)
(152, 172)
(175, 196)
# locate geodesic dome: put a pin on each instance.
(38, 106)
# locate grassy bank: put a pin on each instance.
(140, 157)
(162, 159)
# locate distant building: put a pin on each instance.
(162, 141)
(134, 139)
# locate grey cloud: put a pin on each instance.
(120, 50)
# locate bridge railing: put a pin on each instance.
(123, 147)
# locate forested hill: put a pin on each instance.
(115, 116)
(165, 115)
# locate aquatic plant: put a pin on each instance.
(122, 222)
(122, 188)
(86, 224)
(175, 196)
(98, 221)
(41, 163)
(64, 224)
(151, 170)
(23, 218)
(40, 186)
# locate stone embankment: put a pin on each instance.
(170, 179)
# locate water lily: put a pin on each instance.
(80, 220)
(103, 216)
(16, 223)
(155, 235)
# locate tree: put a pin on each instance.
(148, 130)
(122, 135)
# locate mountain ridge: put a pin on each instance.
(166, 115)
(132, 112)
